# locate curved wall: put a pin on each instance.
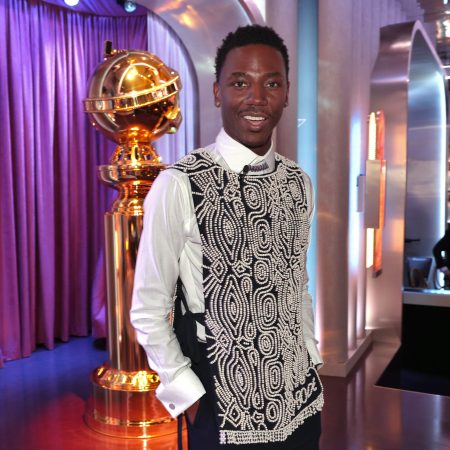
(407, 84)
(426, 170)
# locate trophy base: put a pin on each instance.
(118, 408)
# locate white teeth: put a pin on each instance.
(254, 118)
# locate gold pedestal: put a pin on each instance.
(123, 402)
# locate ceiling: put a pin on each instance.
(437, 12)
(434, 9)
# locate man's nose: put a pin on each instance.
(257, 94)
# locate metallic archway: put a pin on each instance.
(408, 85)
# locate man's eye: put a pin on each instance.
(239, 84)
(273, 84)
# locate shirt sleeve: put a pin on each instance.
(308, 312)
(157, 270)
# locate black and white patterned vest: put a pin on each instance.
(254, 232)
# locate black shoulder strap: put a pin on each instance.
(180, 431)
(185, 325)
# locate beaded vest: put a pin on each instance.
(254, 232)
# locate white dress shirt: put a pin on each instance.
(170, 247)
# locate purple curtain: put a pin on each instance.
(52, 204)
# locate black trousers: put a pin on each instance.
(203, 434)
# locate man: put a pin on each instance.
(231, 222)
(442, 262)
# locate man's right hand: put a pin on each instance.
(191, 412)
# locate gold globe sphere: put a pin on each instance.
(133, 100)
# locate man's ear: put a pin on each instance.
(216, 91)
(286, 102)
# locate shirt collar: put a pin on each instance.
(236, 155)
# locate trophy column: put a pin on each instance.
(132, 99)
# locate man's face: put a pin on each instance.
(252, 91)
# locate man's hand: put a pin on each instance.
(191, 412)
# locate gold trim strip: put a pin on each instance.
(107, 420)
(133, 101)
(120, 380)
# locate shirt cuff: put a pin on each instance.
(314, 353)
(181, 393)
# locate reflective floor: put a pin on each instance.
(42, 400)
(362, 416)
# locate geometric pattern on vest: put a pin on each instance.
(254, 233)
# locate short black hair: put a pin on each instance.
(250, 34)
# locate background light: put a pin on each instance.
(71, 2)
(129, 6)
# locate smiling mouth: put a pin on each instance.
(255, 119)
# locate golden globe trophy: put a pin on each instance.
(132, 99)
